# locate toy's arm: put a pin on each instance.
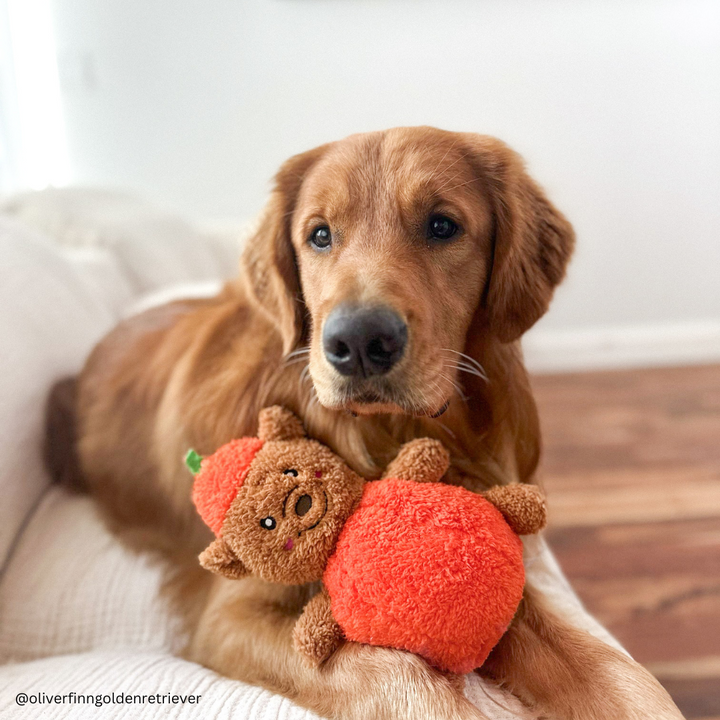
(522, 506)
(422, 460)
(219, 558)
(317, 635)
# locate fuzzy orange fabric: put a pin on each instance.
(221, 476)
(430, 568)
(407, 561)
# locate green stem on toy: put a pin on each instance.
(193, 460)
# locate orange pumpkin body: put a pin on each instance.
(429, 568)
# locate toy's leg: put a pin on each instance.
(317, 635)
(568, 674)
(246, 632)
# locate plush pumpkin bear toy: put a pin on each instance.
(405, 561)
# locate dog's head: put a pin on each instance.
(385, 252)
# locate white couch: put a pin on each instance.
(78, 612)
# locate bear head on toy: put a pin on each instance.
(276, 502)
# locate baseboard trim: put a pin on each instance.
(605, 348)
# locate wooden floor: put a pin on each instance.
(632, 471)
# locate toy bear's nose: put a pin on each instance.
(303, 505)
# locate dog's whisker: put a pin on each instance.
(447, 430)
(312, 399)
(467, 182)
(469, 360)
(296, 356)
(470, 371)
(457, 388)
(452, 164)
(447, 182)
(462, 367)
(436, 386)
(467, 357)
(295, 361)
(442, 159)
(296, 353)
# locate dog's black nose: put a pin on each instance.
(361, 341)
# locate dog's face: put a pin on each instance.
(385, 251)
(393, 245)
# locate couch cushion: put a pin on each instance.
(137, 673)
(70, 587)
(150, 246)
(51, 314)
(71, 591)
(62, 290)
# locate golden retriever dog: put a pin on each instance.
(381, 298)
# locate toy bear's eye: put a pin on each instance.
(292, 472)
(268, 523)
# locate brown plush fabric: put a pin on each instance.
(219, 558)
(277, 423)
(522, 506)
(421, 460)
(297, 496)
(317, 634)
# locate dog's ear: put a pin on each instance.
(268, 263)
(532, 240)
(277, 423)
(219, 558)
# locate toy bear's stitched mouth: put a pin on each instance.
(287, 497)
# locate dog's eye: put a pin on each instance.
(290, 471)
(321, 237)
(441, 227)
(268, 523)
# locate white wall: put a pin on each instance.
(614, 103)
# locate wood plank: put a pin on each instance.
(632, 471)
(633, 495)
(656, 586)
(695, 698)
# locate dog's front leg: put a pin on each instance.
(568, 674)
(245, 632)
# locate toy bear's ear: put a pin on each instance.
(421, 460)
(277, 423)
(219, 558)
(522, 506)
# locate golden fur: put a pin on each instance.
(195, 374)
